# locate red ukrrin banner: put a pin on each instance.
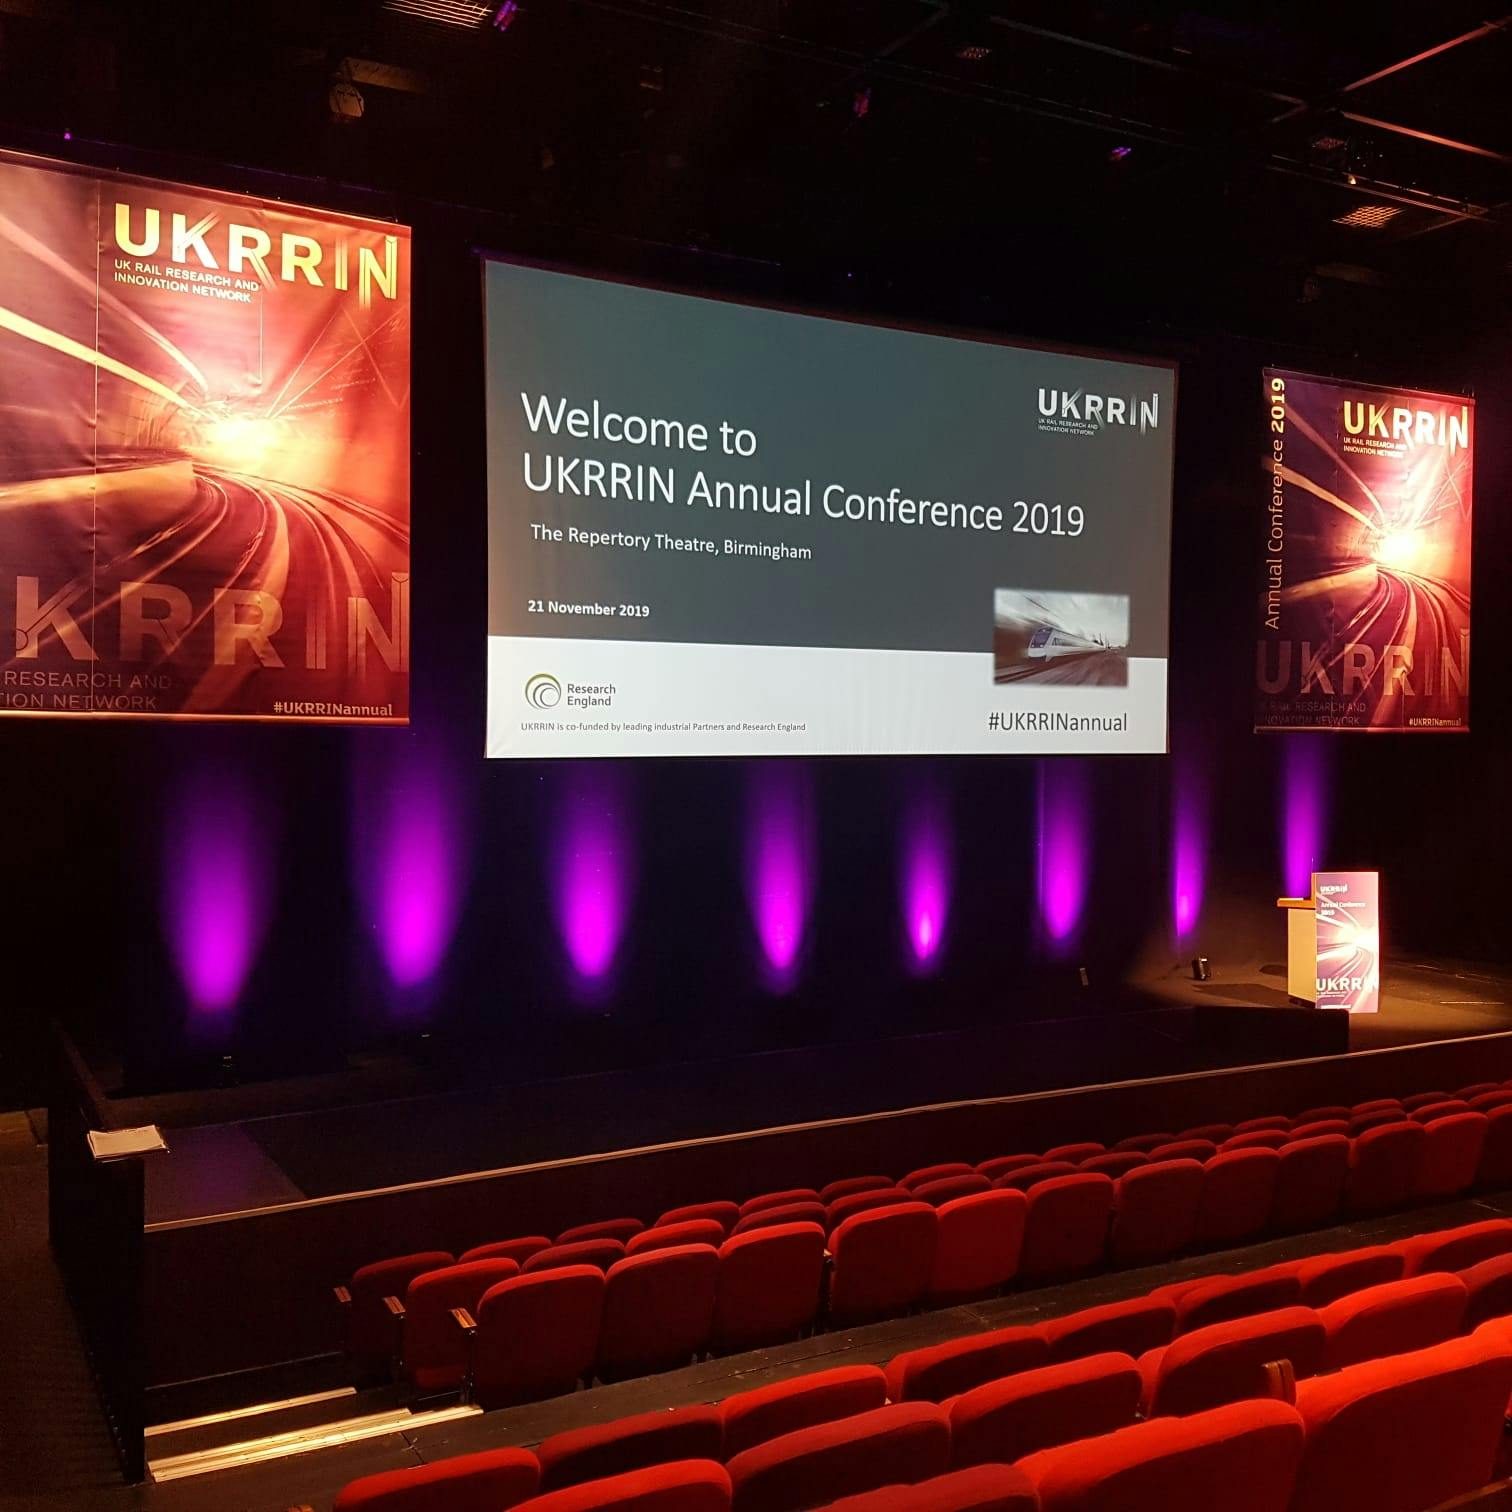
(204, 454)
(1364, 608)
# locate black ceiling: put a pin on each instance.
(1140, 140)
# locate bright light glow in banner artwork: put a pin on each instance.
(204, 454)
(1348, 910)
(1364, 608)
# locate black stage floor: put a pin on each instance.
(1242, 1017)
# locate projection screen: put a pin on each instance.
(723, 529)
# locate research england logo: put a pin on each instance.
(543, 691)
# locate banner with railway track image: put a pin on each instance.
(204, 453)
(1364, 604)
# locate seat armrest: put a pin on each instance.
(343, 1296)
(464, 1320)
(394, 1307)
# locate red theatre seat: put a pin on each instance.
(1144, 1143)
(769, 1200)
(623, 1229)
(848, 1186)
(1318, 1115)
(1489, 1285)
(978, 1244)
(1076, 1153)
(1432, 1112)
(686, 1486)
(1027, 1176)
(881, 1262)
(1393, 1318)
(1478, 1089)
(1317, 1129)
(774, 1217)
(1424, 1100)
(1455, 1249)
(372, 1333)
(1155, 1211)
(1377, 1105)
(1005, 1420)
(537, 1335)
(1256, 1139)
(1225, 1298)
(1484, 1102)
(755, 1417)
(658, 1308)
(724, 1214)
(1066, 1225)
(672, 1235)
(901, 1444)
(1115, 1163)
(864, 1202)
(1326, 1278)
(1241, 1458)
(948, 1188)
(768, 1287)
(1130, 1328)
(915, 1179)
(1185, 1149)
(1406, 1433)
(1377, 1118)
(630, 1443)
(435, 1349)
(1258, 1125)
(1310, 1181)
(1385, 1167)
(493, 1481)
(1214, 1132)
(982, 1488)
(1003, 1165)
(1238, 1192)
(1451, 1155)
(943, 1370)
(600, 1252)
(1226, 1362)
(1495, 1169)
(518, 1250)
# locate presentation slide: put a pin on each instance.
(722, 529)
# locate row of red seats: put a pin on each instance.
(1398, 1434)
(535, 1324)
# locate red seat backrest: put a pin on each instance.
(1393, 1318)
(1385, 1167)
(1115, 1162)
(765, 1200)
(372, 1333)
(977, 1246)
(1225, 1362)
(1002, 1165)
(518, 1250)
(435, 1349)
(1326, 1278)
(903, 1443)
(1256, 1139)
(1455, 1249)
(776, 1217)
(1401, 1434)
(882, 1261)
(537, 1335)
(696, 1485)
(722, 1213)
(1226, 1298)
(1066, 1225)
(1451, 1155)
(768, 1412)
(1317, 1128)
(658, 1309)
(848, 1186)
(948, 1188)
(630, 1443)
(1027, 1176)
(493, 1481)
(1495, 1169)
(769, 1286)
(1132, 1327)
(1037, 1409)
(1076, 1153)
(916, 1179)
(1185, 1149)
(938, 1371)
(1238, 1192)
(600, 1252)
(1489, 1285)
(623, 1229)
(981, 1488)
(1310, 1182)
(1155, 1211)
(848, 1206)
(671, 1235)
(1241, 1458)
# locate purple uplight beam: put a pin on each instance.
(1189, 843)
(1064, 851)
(217, 880)
(592, 866)
(925, 881)
(779, 869)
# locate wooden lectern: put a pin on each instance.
(1301, 948)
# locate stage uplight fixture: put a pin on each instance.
(1119, 153)
(506, 15)
(1200, 969)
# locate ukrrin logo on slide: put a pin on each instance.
(543, 691)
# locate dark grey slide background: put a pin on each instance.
(834, 401)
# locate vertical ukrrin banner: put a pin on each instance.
(1364, 605)
(204, 460)
(1347, 906)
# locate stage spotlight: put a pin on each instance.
(506, 15)
(1200, 971)
(1119, 153)
(861, 103)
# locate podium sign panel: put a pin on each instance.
(1347, 906)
